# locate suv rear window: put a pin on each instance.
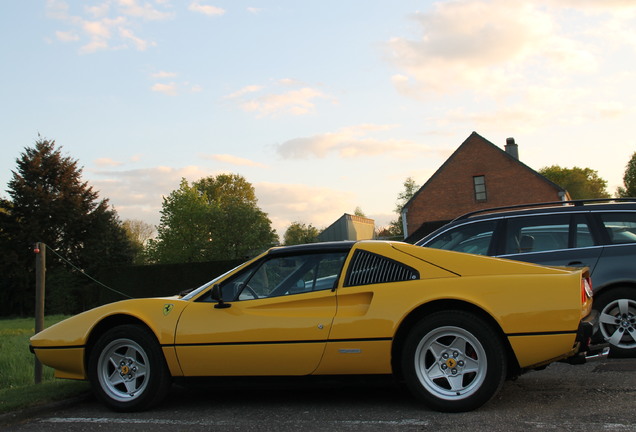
(546, 233)
(621, 227)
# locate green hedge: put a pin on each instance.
(158, 280)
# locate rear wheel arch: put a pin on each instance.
(617, 301)
(424, 310)
(604, 290)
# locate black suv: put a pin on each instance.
(601, 236)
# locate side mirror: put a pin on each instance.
(217, 295)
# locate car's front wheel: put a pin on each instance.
(127, 369)
(454, 361)
(617, 324)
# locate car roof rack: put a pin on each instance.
(575, 203)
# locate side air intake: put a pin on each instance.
(368, 268)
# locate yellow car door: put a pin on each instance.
(275, 320)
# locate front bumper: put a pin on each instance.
(586, 351)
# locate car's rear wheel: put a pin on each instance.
(617, 323)
(454, 361)
(127, 369)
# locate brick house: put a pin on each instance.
(477, 175)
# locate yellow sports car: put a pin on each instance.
(452, 326)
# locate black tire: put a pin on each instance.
(454, 361)
(127, 369)
(617, 320)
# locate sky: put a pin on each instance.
(323, 106)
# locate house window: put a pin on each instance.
(479, 183)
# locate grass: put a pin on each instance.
(17, 387)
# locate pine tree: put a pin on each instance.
(50, 203)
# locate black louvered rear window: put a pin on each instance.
(369, 268)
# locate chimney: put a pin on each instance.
(512, 148)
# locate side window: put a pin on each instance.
(472, 238)
(621, 227)
(285, 275)
(539, 233)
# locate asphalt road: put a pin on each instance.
(599, 396)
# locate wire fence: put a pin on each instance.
(82, 272)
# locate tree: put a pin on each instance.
(581, 183)
(138, 232)
(629, 180)
(215, 218)
(358, 212)
(299, 233)
(226, 189)
(396, 228)
(50, 203)
(240, 228)
(184, 233)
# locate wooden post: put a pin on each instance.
(40, 282)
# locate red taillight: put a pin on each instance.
(586, 289)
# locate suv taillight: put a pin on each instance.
(586, 289)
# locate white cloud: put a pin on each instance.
(98, 11)
(295, 102)
(196, 6)
(146, 11)
(611, 109)
(349, 142)
(234, 160)
(138, 194)
(455, 51)
(245, 90)
(595, 5)
(102, 27)
(617, 31)
(106, 162)
(286, 96)
(173, 88)
(169, 89)
(93, 46)
(69, 36)
(98, 29)
(287, 203)
(289, 82)
(139, 43)
(163, 74)
(57, 9)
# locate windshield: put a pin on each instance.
(206, 285)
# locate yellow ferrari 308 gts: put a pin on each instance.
(452, 326)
